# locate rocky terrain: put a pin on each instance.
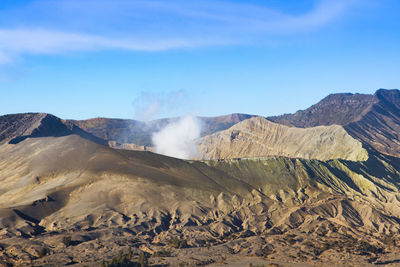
(373, 119)
(67, 198)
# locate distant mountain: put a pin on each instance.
(15, 128)
(340, 109)
(140, 133)
(372, 119)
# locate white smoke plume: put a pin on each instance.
(177, 139)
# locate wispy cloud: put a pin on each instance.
(4, 58)
(87, 25)
(37, 41)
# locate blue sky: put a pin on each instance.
(150, 59)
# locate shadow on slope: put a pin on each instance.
(16, 128)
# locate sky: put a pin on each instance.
(148, 59)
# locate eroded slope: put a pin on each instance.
(380, 126)
(258, 137)
(372, 119)
(108, 200)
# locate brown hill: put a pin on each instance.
(15, 128)
(340, 109)
(258, 137)
(372, 119)
(139, 133)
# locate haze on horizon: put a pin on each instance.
(150, 59)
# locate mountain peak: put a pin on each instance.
(14, 128)
(341, 109)
(383, 91)
(389, 96)
(372, 119)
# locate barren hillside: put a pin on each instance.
(196, 212)
(258, 137)
(372, 119)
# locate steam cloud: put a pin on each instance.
(177, 139)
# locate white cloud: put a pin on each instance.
(151, 25)
(323, 13)
(260, 19)
(37, 41)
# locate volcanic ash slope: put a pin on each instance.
(68, 182)
(109, 200)
(62, 184)
(258, 137)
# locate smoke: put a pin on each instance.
(150, 105)
(177, 139)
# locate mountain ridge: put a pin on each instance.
(15, 128)
(322, 112)
(375, 122)
(126, 131)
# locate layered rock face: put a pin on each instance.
(258, 137)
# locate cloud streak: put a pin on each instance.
(150, 25)
(38, 41)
